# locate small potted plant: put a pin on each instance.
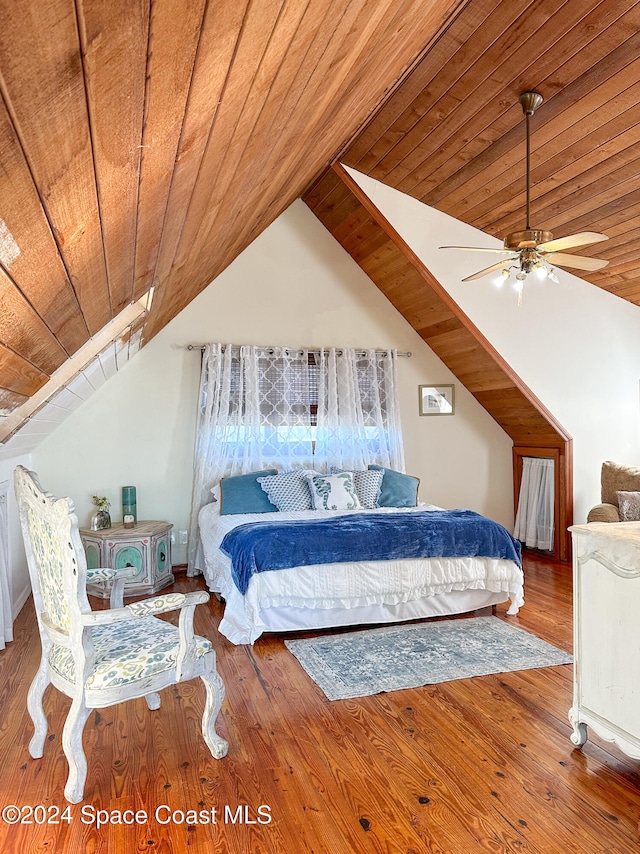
(101, 518)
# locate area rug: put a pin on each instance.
(362, 663)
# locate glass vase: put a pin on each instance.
(129, 506)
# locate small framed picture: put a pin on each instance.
(436, 399)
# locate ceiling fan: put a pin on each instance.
(533, 249)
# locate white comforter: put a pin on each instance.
(340, 585)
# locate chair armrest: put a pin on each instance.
(101, 573)
(145, 608)
(604, 513)
(119, 578)
(168, 602)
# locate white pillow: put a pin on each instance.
(215, 497)
(367, 484)
(333, 491)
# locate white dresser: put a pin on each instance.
(606, 607)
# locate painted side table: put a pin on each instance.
(147, 547)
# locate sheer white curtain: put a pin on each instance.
(6, 620)
(358, 412)
(535, 517)
(274, 407)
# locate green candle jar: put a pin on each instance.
(129, 506)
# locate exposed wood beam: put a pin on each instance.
(47, 388)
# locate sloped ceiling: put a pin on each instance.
(453, 134)
(145, 143)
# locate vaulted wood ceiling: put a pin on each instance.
(452, 135)
(145, 143)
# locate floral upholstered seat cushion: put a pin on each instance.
(125, 652)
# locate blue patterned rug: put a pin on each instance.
(358, 664)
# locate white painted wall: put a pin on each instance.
(19, 585)
(576, 346)
(293, 286)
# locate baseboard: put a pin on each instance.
(18, 605)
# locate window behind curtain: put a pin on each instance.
(290, 387)
(277, 408)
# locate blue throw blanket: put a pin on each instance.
(260, 546)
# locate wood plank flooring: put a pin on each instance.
(477, 765)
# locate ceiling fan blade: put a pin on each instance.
(580, 262)
(583, 238)
(478, 249)
(488, 270)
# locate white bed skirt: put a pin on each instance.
(442, 605)
(290, 599)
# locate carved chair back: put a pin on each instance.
(55, 556)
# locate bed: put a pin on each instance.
(353, 592)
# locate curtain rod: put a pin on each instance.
(359, 352)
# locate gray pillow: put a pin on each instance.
(629, 506)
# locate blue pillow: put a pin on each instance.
(243, 494)
(397, 489)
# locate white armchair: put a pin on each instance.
(99, 658)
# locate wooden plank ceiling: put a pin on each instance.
(145, 143)
(452, 134)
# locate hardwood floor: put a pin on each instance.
(476, 765)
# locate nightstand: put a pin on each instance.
(147, 546)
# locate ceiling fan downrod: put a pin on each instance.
(530, 102)
(529, 238)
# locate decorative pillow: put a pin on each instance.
(367, 484)
(397, 489)
(288, 490)
(333, 491)
(243, 494)
(629, 506)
